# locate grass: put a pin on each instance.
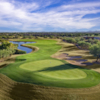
(60, 74)
(54, 69)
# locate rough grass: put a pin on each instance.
(72, 50)
(46, 49)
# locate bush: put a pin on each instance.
(84, 44)
(77, 40)
(95, 41)
(70, 40)
(7, 52)
(90, 41)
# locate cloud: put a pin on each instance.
(81, 5)
(27, 16)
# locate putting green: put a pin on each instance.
(55, 69)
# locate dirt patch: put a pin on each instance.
(61, 56)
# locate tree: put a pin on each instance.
(84, 44)
(95, 50)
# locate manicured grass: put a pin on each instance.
(51, 68)
(35, 68)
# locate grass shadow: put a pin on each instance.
(10, 59)
(25, 92)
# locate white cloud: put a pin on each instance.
(25, 17)
(81, 5)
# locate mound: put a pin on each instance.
(54, 69)
(11, 90)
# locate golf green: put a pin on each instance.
(50, 68)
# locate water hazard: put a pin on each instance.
(28, 50)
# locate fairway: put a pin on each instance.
(51, 68)
(41, 69)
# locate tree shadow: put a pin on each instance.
(10, 59)
(88, 57)
(61, 67)
(20, 59)
(70, 48)
(1, 66)
(92, 65)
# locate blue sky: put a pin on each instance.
(49, 15)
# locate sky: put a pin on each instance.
(49, 15)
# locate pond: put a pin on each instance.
(28, 50)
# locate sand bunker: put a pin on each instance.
(74, 57)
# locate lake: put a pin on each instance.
(28, 50)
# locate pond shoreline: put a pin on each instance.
(34, 49)
(21, 47)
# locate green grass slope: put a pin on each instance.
(36, 68)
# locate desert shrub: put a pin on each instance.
(90, 41)
(82, 39)
(7, 49)
(70, 40)
(7, 52)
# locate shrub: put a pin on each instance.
(95, 41)
(84, 44)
